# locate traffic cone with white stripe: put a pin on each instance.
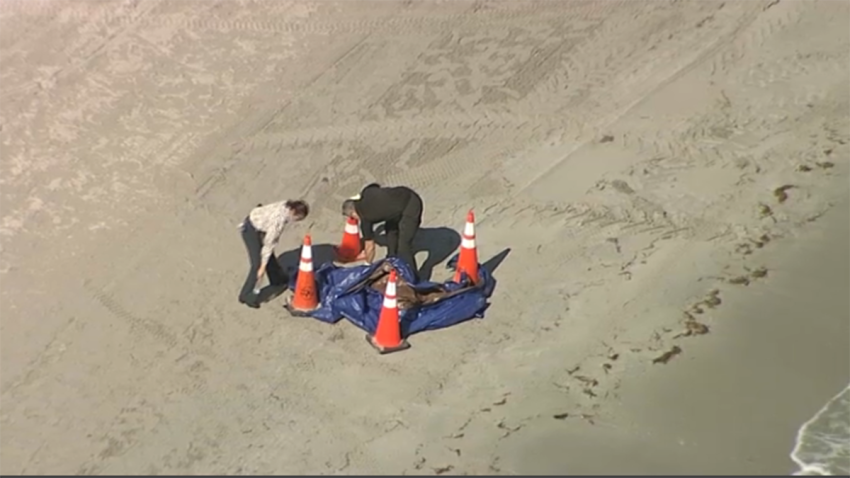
(349, 248)
(306, 298)
(387, 336)
(468, 260)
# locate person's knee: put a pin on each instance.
(406, 240)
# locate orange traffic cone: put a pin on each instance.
(387, 336)
(468, 260)
(305, 298)
(349, 248)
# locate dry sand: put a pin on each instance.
(626, 152)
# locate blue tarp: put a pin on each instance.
(346, 292)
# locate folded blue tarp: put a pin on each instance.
(356, 293)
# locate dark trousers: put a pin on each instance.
(254, 244)
(400, 233)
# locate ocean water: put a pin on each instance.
(823, 443)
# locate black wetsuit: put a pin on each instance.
(400, 209)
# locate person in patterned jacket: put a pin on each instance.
(261, 231)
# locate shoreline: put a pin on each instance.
(807, 467)
(735, 399)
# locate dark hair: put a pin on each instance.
(298, 207)
(348, 207)
(372, 185)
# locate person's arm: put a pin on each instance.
(272, 236)
(369, 251)
(367, 229)
(368, 198)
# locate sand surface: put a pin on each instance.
(734, 400)
(628, 154)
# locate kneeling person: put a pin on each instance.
(399, 208)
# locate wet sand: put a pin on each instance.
(733, 401)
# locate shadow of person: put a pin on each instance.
(289, 260)
(270, 292)
(438, 242)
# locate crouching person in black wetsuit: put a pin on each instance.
(399, 208)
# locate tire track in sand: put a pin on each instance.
(155, 329)
(397, 24)
(608, 58)
(709, 135)
(90, 46)
(474, 123)
(441, 168)
(528, 176)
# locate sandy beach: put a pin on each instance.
(666, 183)
(734, 400)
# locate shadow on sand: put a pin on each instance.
(288, 261)
(438, 242)
(322, 254)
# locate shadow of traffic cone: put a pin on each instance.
(349, 248)
(387, 336)
(468, 259)
(306, 298)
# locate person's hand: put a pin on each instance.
(361, 256)
(369, 251)
(261, 272)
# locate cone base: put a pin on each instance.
(387, 350)
(298, 312)
(345, 258)
(473, 280)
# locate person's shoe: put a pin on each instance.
(251, 304)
